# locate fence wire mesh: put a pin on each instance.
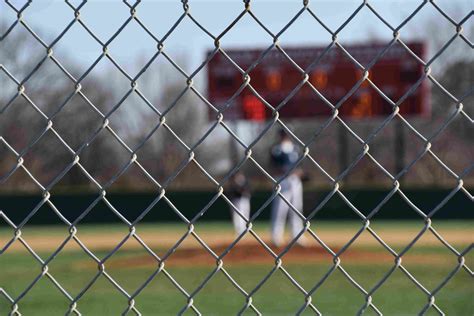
(189, 294)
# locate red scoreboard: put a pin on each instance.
(275, 77)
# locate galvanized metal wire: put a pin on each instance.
(220, 114)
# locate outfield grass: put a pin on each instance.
(226, 226)
(430, 264)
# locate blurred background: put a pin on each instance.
(395, 147)
(67, 246)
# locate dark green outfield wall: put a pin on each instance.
(130, 205)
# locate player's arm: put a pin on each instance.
(299, 171)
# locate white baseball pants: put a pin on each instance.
(243, 205)
(292, 190)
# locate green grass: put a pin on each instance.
(226, 226)
(278, 296)
(60, 230)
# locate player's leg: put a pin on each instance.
(245, 211)
(237, 220)
(279, 214)
(296, 223)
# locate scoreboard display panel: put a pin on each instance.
(275, 77)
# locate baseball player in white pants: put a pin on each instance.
(239, 194)
(292, 190)
(284, 155)
(243, 205)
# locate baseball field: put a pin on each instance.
(429, 262)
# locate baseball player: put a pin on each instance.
(284, 155)
(239, 195)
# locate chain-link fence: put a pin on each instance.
(71, 148)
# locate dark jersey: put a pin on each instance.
(238, 186)
(284, 155)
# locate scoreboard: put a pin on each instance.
(334, 75)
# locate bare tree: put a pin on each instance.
(49, 96)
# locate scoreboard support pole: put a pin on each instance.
(233, 145)
(247, 131)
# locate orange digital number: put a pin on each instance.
(319, 79)
(274, 81)
(363, 107)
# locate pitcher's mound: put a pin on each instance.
(239, 254)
